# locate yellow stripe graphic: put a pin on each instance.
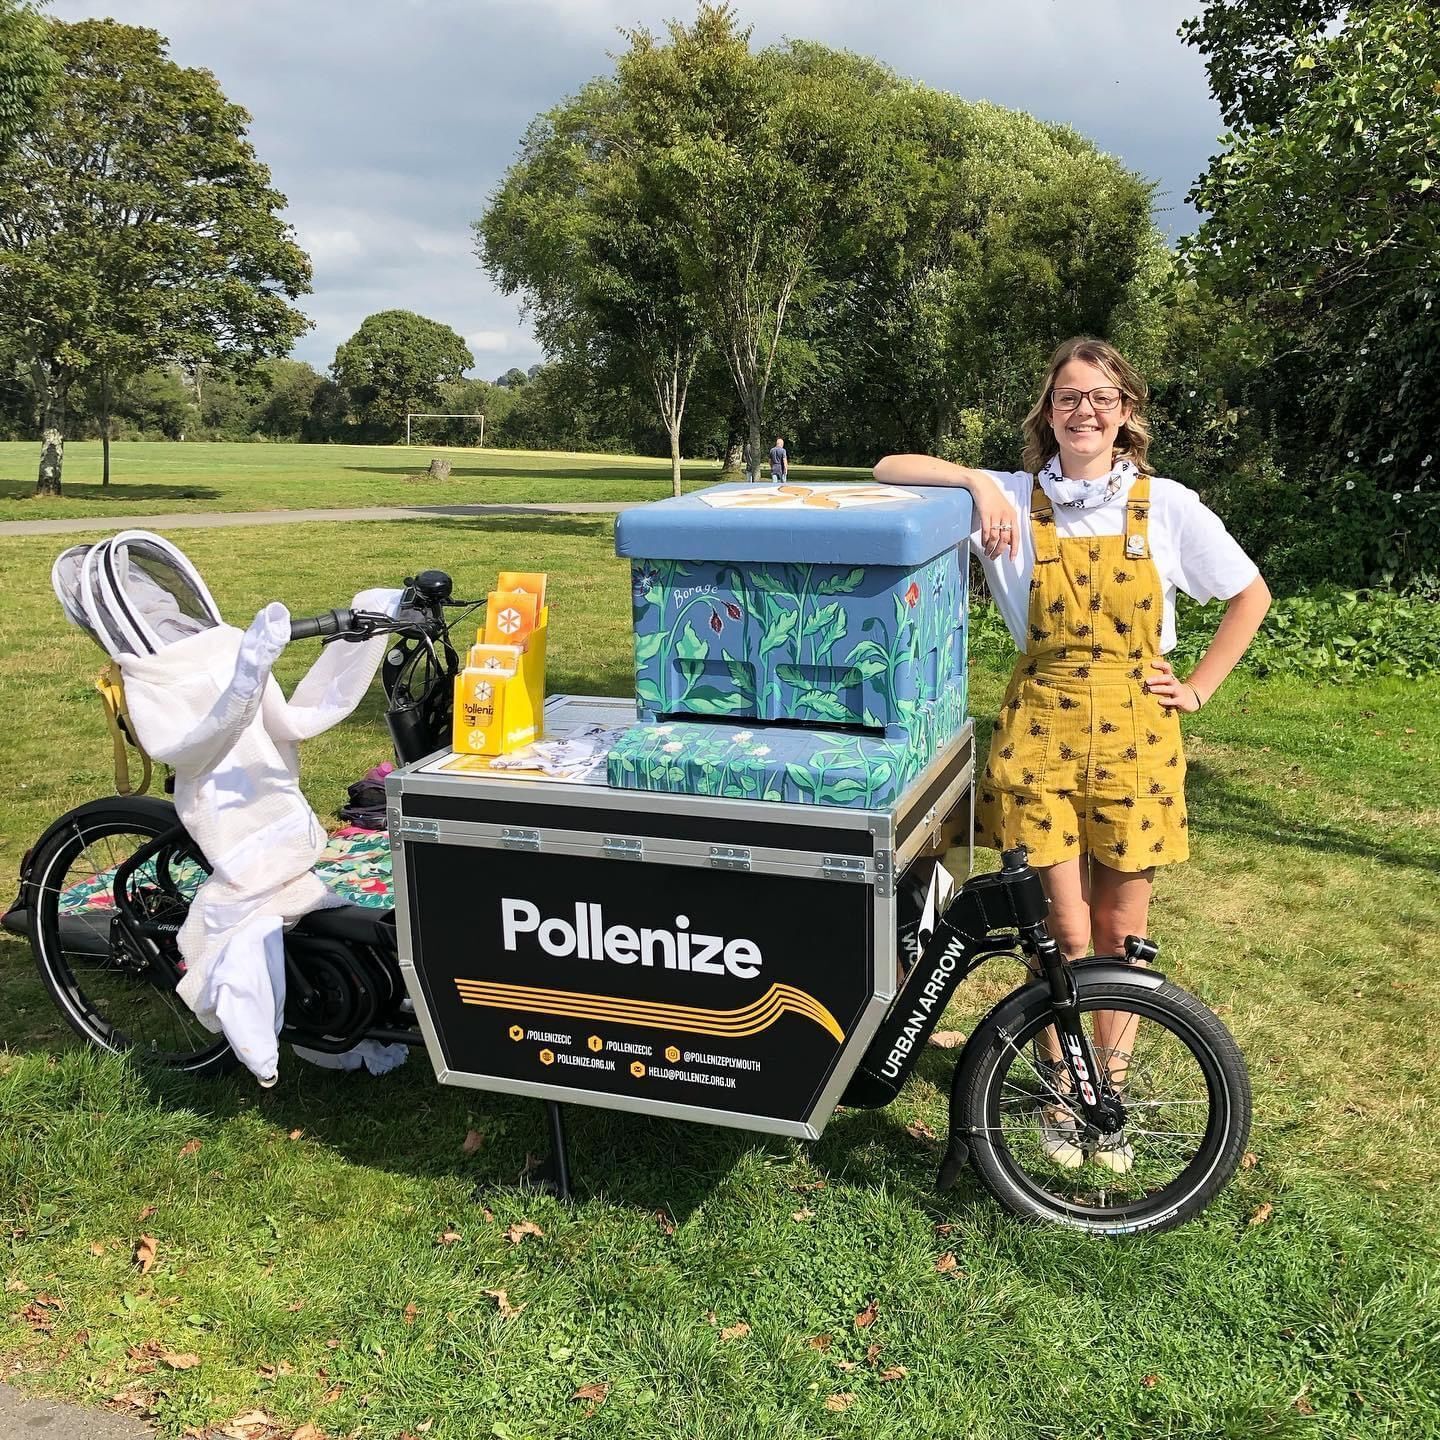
(748, 1020)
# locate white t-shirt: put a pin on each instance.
(1191, 547)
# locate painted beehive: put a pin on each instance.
(831, 605)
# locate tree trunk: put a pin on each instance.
(734, 461)
(756, 450)
(439, 469)
(675, 458)
(105, 430)
(52, 441)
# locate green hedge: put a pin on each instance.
(1327, 634)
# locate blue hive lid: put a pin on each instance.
(820, 524)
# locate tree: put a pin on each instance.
(513, 379)
(1323, 235)
(137, 225)
(28, 67)
(774, 175)
(573, 228)
(398, 361)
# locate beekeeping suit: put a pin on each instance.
(202, 700)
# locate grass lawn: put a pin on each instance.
(319, 1252)
(158, 477)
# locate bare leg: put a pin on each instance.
(1119, 906)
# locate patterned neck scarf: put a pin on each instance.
(1085, 494)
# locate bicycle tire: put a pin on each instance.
(76, 954)
(977, 1101)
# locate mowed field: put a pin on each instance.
(322, 1255)
(154, 477)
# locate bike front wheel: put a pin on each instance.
(1173, 1068)
(113, 993)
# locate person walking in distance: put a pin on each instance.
(1083, 551)
(779, 461)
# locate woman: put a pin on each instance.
(1086, 765)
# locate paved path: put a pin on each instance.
(200, 520)
(25, 1418)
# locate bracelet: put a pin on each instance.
(1199, 703)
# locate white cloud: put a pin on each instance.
(487, 342)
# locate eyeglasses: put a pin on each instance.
(1104, 397)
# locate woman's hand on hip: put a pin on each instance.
(1170, 690)
(999, 524)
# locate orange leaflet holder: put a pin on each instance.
(496, 713)
(510, 616)
(532, 582)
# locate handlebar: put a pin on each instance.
(326, 626)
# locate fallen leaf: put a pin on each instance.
(520, 1229)
(147, 1212)
(895, 1372)
(423, 1428)
(595, 1391)
(294, 1134)
(1303, 1405)
(472, 1142)
(37, 1317)
(332, 1344)
(502, 1303)
(738, 1331)
(945, 1227)
(872, 1353)
(1149, 1381)
(266, 1372)
(190, 1147)
(820, 1342)
(49, 1301)
(306, 1432)
(448, 1237)
(711, 1318)
(179, 1362)
(847, 1365)
(295, 1305)
(332, 1394)
(666, 1224)
(802, 1215)
(487, 1214)
(866, 1318)
(411, 1311)
(808, 1185)
(96, 1248)
(14, 1287)
(843, 1401)
(947, 1263)
(249, 1426)
(145, 1253)
(948, 1039)
(1262, 1214)
(1249, 1160)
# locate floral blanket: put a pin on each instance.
(355, 865)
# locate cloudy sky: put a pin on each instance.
(388, 123)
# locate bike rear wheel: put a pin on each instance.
(1182, 1082)
(113, 992)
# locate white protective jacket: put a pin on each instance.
(207, 705)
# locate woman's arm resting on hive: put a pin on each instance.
(993, 512)
(1243, 614)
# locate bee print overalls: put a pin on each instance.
(1084, 759)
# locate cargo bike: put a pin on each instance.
(732, 958)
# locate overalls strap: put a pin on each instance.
(1137, 520)
(1042, 525)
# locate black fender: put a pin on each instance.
(1009, 1011)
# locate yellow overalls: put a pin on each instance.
(1084, 759)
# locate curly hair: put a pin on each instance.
(1133, 440)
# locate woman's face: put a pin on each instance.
(1086, 431)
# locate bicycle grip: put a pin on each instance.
(316, 627)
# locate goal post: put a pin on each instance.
(443, 415)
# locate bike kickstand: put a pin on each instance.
(554, 1173)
